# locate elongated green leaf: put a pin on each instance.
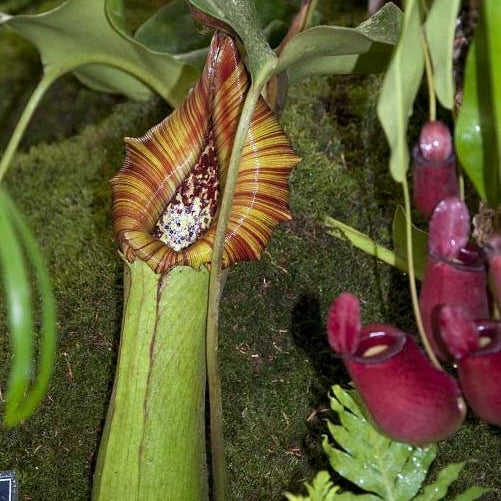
(18, 299)
(48, 330)
(419, 242)
(375, 463)
(78, 35)
(468, 133)
(438, 489)
(335, 49)
(339, 229)
(399, 90)
(440, 29)
(478, 130)
(242, 17)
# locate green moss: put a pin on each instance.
(275, 362)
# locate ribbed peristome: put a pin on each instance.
(157, 163)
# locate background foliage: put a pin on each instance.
(276, 366)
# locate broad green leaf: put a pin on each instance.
(438, 489)
(242, 17)
(20, 409)
(78, 35)
(172, 29)
(419, 242)
(478, 130)
(389, 469)
(341, 230)
(333, 49)
(400, 86)
(472, 493)
(440, 29)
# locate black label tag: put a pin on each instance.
(8, 486)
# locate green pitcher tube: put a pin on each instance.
(153, 444)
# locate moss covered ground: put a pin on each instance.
(276, 367)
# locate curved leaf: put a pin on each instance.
(66, 42)
(440, 29)
(478, 130)
(241, 16)
(399, 90)
(321, 49)
(172, 29)
(48, 330)
(18, 299)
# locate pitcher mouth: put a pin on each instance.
(469, 258)
(378, 343)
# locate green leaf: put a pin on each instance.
(18, 298)
(20, 406)
(241, 16)
(172, 29)
(389, 469)
(333, 49)
(478, 130)
(399, 89)
(341, 230)
(438, 489)
(78, 34)
(419, 242)
(472, 493)
(440, 29)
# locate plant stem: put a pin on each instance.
(35, 98)
(412, 277)
(429, 79)
(215, 400)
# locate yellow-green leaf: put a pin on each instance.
(335, 49)
(440, 30)
(478, 129)
(400, 86)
